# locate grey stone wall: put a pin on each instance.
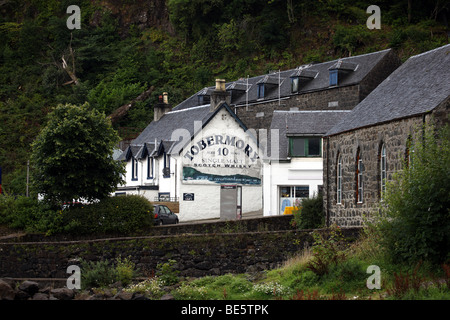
(259, 116)
(196, 254)
(380, 72)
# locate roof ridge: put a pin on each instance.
(188, 109)
(431, 51)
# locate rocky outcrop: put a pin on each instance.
(10, 289)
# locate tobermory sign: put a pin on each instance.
(222, 158)
(222, 141)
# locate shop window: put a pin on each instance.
(305, 147)
(291, 196)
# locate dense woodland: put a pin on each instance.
(126, 48)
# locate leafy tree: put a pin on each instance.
(416, 222)
(72, 155)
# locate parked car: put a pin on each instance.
(163, 215)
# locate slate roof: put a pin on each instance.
(301, 123)
(317, 72)
(416, 87)
(160, 132)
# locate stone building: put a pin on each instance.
(334, 85)
(363, 150)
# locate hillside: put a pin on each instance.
(129, 49)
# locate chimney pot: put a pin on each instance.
(220, 85)
(219, 95)
(162, 107)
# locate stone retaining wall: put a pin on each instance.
(196, 254)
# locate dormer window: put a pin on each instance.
(294, 84)
(260, 90)
(334, 77)
(203, 99)
(341, 69)
(301, 77)
(266, 84)
(204, 96)
(237, 89)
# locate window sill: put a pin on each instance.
(307, 157)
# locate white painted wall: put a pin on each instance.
(297, 172)
(206, 204)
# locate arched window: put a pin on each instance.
(383, 170)
(359, 178)
(339, 180)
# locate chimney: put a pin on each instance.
(161, 107)
(219, 95)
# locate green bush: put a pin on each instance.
(96, 274)
(29, 214)
(310, 214)
(129, 214)
(104, 273)
(125, 270)
(415, 222)
(349, 38)
(166, 272)
(328, 250)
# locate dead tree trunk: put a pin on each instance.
(122, 111)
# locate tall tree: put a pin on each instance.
(72, 155)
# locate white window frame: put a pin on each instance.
(383, 171)
(360, 187)
(134, 169)
(150, 167)
(339, 181)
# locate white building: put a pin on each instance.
(204, 157)
(294, 169)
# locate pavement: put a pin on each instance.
(248, 215)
